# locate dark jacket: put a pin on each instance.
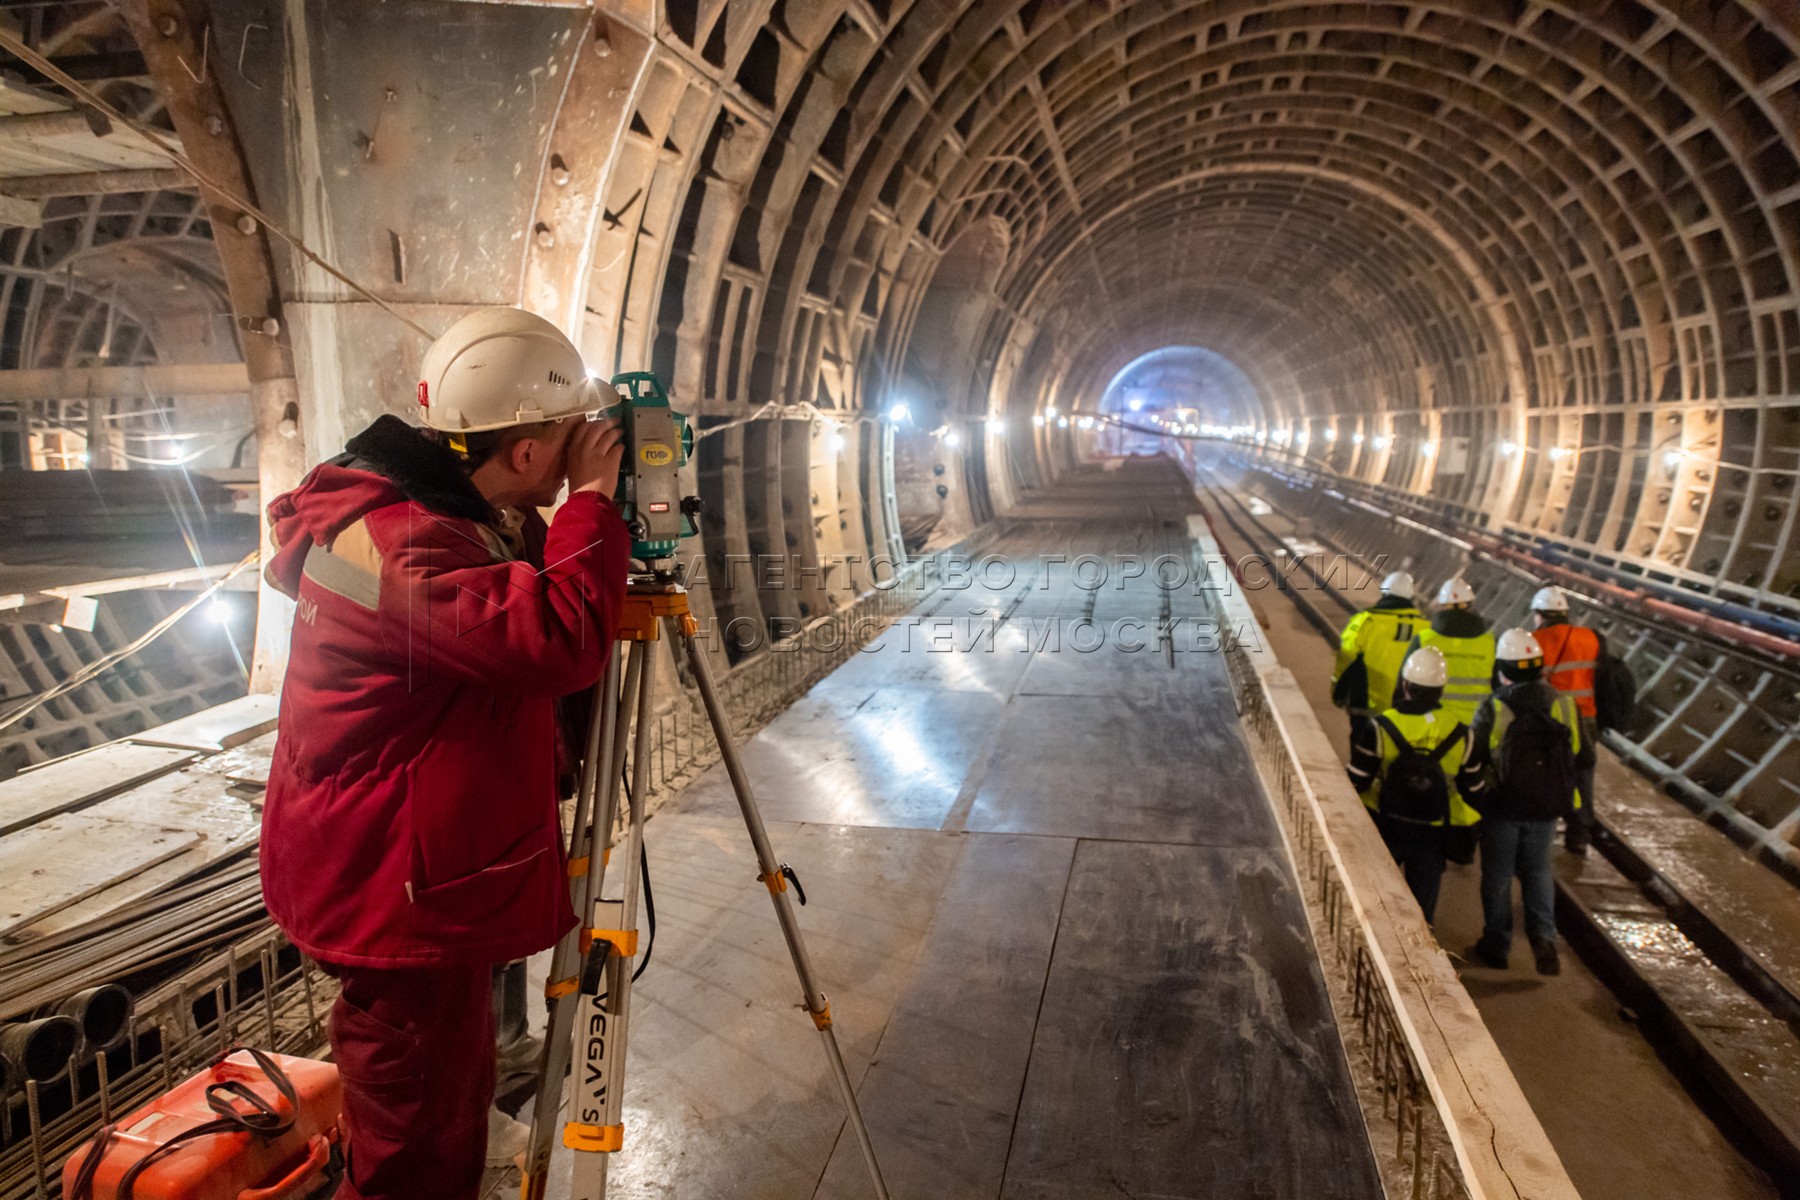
(411, 816)
(1478, 781)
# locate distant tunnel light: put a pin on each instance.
(1558, 453)
(898, 412)
(1356, 439)
(1672, 458)
(1085, 423)
(837, 443)
(1037, 419)
(997, 426)
(952, 439)
(1062, 422)
(1050, 412)
(220, 610)
(1331, 435)
(1383, 441)
(1137, 404)
(1428, 448)
(1508, 448)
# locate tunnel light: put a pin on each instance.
(952, 439)
(1331, 435)
(1301, 438)
(1050, 412)
(1037, 419)
(593, 374)
(1383, 441)
(220, 610)
(1508, 448)
(1062, 422)
(1191, 429)
(1356, 439)
(1558, 453)
(898, 412)
(1262, 437)
(1085, 423)
(837, 443)
(1428, 448)
(1672, 458)
(1137, 404)
(997, 426)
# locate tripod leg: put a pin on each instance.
(595, 803)
(596, 1126)
(773, 877)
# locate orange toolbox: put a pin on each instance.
(253, 1126)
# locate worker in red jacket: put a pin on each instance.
(410, 836)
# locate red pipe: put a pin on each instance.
(1753, 639)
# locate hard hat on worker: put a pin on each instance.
(499, 367)
(1518, 647)
(1400, 584)
(1426, 667)
(1551, 600)
(1455, 591)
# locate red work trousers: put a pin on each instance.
(415, 1051)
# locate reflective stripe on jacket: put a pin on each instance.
(1571, 657)
(1471, 664)
(1379, 637)
(1375, 751)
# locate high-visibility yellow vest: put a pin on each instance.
(1381, 638)
(1471, 663)
(1562, 710)
(1425, 732)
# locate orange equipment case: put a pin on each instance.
(235, 1163)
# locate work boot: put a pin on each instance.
(1547, 961)
(1576, 841)
(1488, 954)
(507, 1139)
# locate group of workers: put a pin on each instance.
(1464, 742)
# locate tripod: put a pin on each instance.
(589, 989)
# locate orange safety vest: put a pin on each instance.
(1571, 655)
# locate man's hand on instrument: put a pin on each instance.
(594, 452)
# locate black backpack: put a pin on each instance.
(1537, 767)
(1615, 693)
(1414, 788)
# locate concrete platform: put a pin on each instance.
(1048, 901)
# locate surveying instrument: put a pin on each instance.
(589, 989)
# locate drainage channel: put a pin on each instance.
(1699, 995)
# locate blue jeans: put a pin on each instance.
(1521, 849)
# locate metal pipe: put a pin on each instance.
(39, 1050)
(173, 379)
(103, 1014)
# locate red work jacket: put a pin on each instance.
(411, 815)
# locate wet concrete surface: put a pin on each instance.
(1048, 902)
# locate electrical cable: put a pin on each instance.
(644, 873)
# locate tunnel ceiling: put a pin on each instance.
(1534, 261)
(1567, 226)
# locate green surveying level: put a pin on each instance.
(658, 443)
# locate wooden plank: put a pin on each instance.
(218, 728)
(59, 862)
(79, 779)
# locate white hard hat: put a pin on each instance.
(1550, 599)
(499, 367)
(1519, 646)
(1426, 667)
(1456, 590)
(1400, 584)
